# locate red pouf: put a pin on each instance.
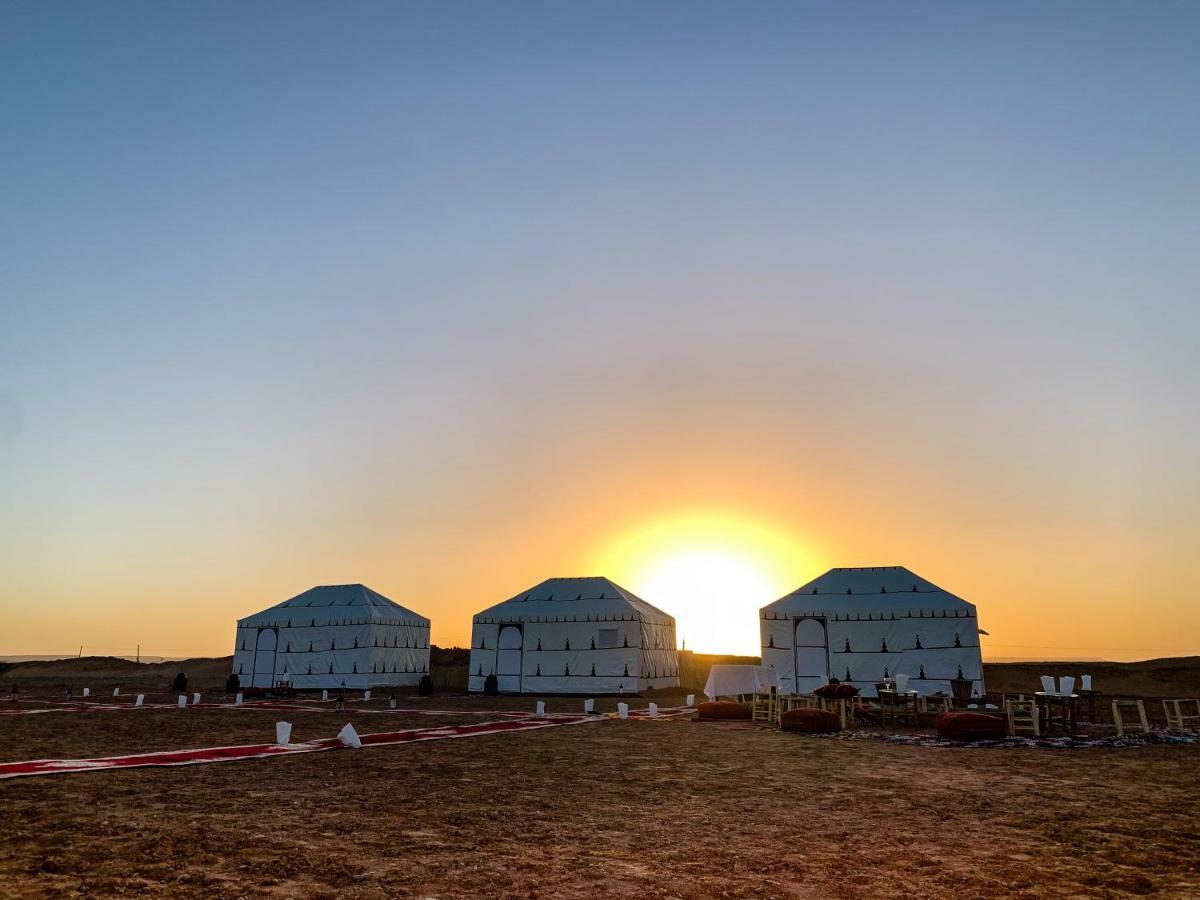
(723, 709)
(810, 721)
(971, 726)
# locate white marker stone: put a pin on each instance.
(691, 700)
(654, 710)
(541, 708)
(182, 700)
(623, 710)
(237, 701)
(196, 699)
(87, 692)
(589, 706)
(324, 695)
(392, 703)
(283, 733)
(366, 695)
(139, 700)
(116, 692)
(349, 737)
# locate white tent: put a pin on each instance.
(574, 636)
(865, 625)
(332, 635)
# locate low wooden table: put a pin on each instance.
(1068, 706)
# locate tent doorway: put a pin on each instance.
(508, 658)
(812, 654)
(264, 658)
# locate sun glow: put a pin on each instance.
(712, 574)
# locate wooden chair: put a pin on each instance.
(1182, 714)
(1130, 707)
(765, 707)
(1022, 716)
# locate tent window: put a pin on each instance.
(608, 638)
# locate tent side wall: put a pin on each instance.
(357, 653)
(864, 647)
(544, 655)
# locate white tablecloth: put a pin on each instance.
(729, 681)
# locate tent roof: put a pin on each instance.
(558, 597)
(335, 602)
(868, 588)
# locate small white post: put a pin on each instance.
(139, 699)
(366, 695)
(589, 706)
(349, 737)
(392, 702)
(324, 695)
(116, 692)
(182, 700)
(87, 692)
(237, 701)
(654, 710)
(196, 699)
(623, 710)
(541, 708)
(1087, 683)
(283, 733)
(691, 700)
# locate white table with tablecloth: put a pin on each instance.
(733, 681)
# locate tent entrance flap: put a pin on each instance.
(812, 654)
(264, 658)
(508, 658)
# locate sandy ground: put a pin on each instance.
(639, 808)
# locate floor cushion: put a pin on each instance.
(810, 721)
(971, 726)
(723, 709)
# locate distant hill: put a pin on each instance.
(1170, 677)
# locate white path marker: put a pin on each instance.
(392, 703)
(196, 699)
(589, 706)
(283, 733)
(139, 700)
(541, 708)
(623, 710)
(324, 695)
(691, 700)
(237, 701)
(116, 692)
(349, 737)
(366, 695)
(654, 710)
(182, 700)
(87, 692)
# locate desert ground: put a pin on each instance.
(671, 807)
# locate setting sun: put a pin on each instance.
(712, 574)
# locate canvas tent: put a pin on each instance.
(868, 624)
(332, 635)
(574, 636)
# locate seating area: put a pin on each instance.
(1058, 709)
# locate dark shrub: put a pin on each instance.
(180, 683)
(233, 684)
(491, 687)
(425, 687)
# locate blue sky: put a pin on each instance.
(389, 279)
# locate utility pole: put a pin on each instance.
(80, 651)
(139, 653)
